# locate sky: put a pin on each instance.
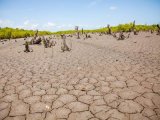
(56, 15)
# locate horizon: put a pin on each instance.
(60, 15)
(74, 29)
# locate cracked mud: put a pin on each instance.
(99, 79)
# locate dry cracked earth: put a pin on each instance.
(100, 79)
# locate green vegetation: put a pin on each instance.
(121, 27)
(6, 33)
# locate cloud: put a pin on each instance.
(6, 23)
(65, 26)
(113, 8)
(26, 22)
(94, 3)
(33, 25)
(99, 26)
(28, 25)
(50, 24)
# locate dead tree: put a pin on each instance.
(135, 32)
(78, 35)
(36, 34)
(82, 31)
(70, 36)
(46, 43)
(133, 29)
(114, 35)
(158, 31)
(34, 39)
(109, 29)
(130, 30)
(53, 43)
(128, 35)
(50, 43)
(26, 47)
(100, 34)
(87, 36)
(37, 40)
(121, 36)
(64, 46)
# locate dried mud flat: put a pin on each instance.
(100, 79)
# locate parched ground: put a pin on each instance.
(100, 79)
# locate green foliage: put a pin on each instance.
(7, 33)
(120, 27)
(65, 32)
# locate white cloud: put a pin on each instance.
(6, 23)
(65, 26)
(26, 22)
(1, 22)
(34, 26)
(94, 3)
(70, 25)
(28, 25)
(85, 26)
(113, 8)
(50, 24)
(99, 26)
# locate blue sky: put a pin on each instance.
(55, 15)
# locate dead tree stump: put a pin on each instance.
(114, 35)
(109, 30)
(53, 43)
(158, 31)
(135, 32)
(34, 40)
(26, 47)
(64, 46)
(82, 31)
(77, 31)
(121, 36)
(78, 35)
(45, 43)
(133, 29)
